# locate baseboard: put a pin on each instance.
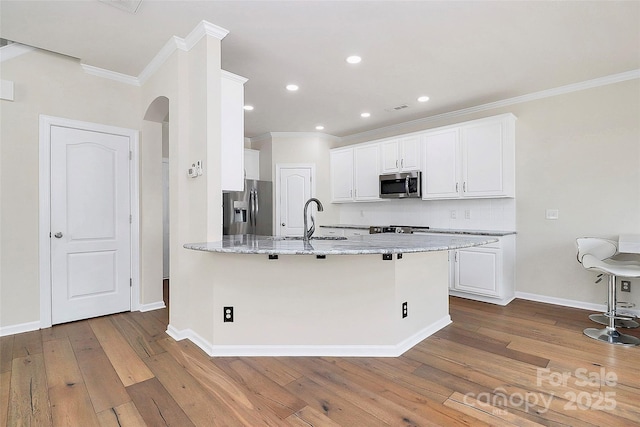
(490, 300)
(20, 328)
(571, 303)
(308, 350)
(181, 334)
(152, 306)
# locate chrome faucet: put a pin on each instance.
(309, 232)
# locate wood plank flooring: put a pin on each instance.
(524, 364)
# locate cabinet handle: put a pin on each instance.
(401, 163)
(464, 187)
(396, 164)
(456, 187)
(456, 256)
(350, 193)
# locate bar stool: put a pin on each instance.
(594, 254)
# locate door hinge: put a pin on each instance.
(130, 282)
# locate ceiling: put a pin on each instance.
(460, 54)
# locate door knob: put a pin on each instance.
(283, 224)
(58, 235)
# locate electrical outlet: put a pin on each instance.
(405, 312)
(228, 314)
(625, 286)
(467, 214)
(453, 214)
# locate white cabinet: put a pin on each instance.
(251, 163)
(485, 273)
(440, 177)
(366, 177)
(472, 160)
(354, 173)
(232, 131)
(341, 175)
(402, 154)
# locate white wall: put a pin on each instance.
(576, 152)
(54, 85)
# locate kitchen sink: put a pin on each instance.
(312, 238)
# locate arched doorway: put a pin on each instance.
(157, 122)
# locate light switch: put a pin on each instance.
(552, 214)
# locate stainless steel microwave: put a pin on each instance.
(401, 185)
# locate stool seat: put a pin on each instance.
(629, 269)
(595, 254)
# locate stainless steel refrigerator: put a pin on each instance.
(248, 211)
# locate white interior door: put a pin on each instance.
(90, 224)
(294, 189)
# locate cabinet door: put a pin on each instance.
(441, 165)
(482, 159)
(366, 174)
(232, 131)
(477, 271)
(252, 164)
(342, 175)
(410, 153)
(390, 160)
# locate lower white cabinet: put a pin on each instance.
(484, 273)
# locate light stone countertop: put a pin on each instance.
(420, 229)
(385, 243)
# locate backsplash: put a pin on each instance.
(477, 214)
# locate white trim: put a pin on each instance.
(491, 300)
(574, 87)
(233, 77)
(44, 248)
(14, 50)
(309, 350)
(572, 303)
(111, 75)
(204, 28)
(276, 194)
(151, 306)
(20, 328)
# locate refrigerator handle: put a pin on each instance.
(255, 208)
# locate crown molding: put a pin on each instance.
(111, 75)
(234, 77)
(201, 30)
(269, 136)
(561, 90)
(14, 50)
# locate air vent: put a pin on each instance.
(397, 108)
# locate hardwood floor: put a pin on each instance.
(524, 364)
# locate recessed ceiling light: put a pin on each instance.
(423, 99)
(248, 107)
(354, 59)
(365, 115)
(292, 87)
(319, 127)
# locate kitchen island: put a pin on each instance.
(373, 295)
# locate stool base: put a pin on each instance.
(611, 336)
(620, 323)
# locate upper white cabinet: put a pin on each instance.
(341, 175)
(354, 173)
(402, 154)
(251, 164)
(472, 160)
(232, 130)
(441, 174)
(367, 159)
